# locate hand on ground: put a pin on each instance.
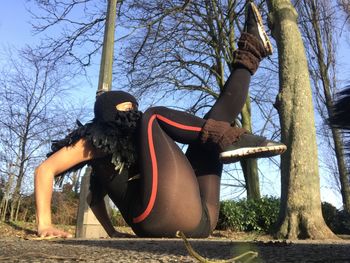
(52, 232)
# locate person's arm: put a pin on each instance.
(57, 163)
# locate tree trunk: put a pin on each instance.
(300, 212)
(22, 158)
(16, 193)
(6, 197)
(4, 210)
(14, 202)
(2, 206)
(250, 166)
(17, 208)
(24, 215)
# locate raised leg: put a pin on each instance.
(253, 46)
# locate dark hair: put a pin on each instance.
(340, 118)
(340, 111)
(105, 104)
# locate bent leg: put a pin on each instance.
(170, 197)
(167, 197)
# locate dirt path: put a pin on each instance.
(167, 250)
(17, 245)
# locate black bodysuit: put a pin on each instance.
(172, 190)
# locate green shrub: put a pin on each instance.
(329, 213)
(117, 218)
(337, 220)
(230, 216)
(343, 223)
(249, 215)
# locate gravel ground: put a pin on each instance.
(18, 243)
(168, 250)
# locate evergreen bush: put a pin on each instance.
(261, 215)
(337, 220)
(249, 215)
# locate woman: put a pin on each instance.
(135, 160)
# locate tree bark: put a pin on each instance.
(24, 215)
(17, 208)
(17, 191)
(300, 213)
(4, 211)
(7, 192)
(250, 166)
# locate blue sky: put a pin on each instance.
(14, 26)
(15, 31)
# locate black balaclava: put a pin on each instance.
(105, 105)
(114, 133)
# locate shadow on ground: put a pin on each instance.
(19, 227)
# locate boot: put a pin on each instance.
(254, 43)
(235, 143)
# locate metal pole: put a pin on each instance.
(87, 224)
(105, 76)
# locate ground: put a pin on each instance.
(18, 243)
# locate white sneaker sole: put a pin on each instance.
(251, 152)
(263, 35)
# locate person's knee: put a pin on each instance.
(153, 111)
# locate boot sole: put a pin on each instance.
(251, 152)
(263, 35)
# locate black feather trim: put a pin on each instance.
(117, 138)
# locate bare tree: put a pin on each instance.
(7, 178)
(2, 186)
(81, 23)
(30, 89)
(345, 6)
